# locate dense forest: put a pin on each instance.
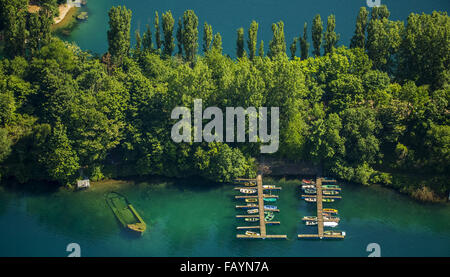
(373, 112)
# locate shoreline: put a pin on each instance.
(63, 11)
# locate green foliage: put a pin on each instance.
(317, 29)
(190, 35)
(119, 33)
(252, 40)
(383, 43)
(277, 45)
(157, 31)
(167, 25)
(207, 37)
(240, 52)
(304, 44)
(360, 113)
(425, 52)
(359, 38)
(330, 36)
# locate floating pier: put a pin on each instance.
(262, 221)
(320, 232)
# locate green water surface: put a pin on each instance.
(192, 218)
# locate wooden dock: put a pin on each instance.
(320, 232)
(323, 196)
(262, 222)
(255, 196)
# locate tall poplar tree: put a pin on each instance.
(331, 38)
(317, 29)
(207, 37)
(119, 33)
(217, 43)
(147, 39)
(168, 24)
(278, 43)
(240, 43)
(261, 49)
(359, 38)
(180, 37)
(304, 44)
(293, 48)
(252, 39)
(157, 31)
(190, 35)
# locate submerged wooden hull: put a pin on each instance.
(125, 213)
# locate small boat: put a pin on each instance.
(331, 218)
(251, 219)
(270, 199)
(248, 191)
(251, 200)
(251, 205)
(331, 187)
(269, 187)
(249, 184)
(269, 216)
(333, 211)
(309, 218)
(253, 211)
(125, 213)
(330, 224)
(313, 199)
(250, 233)
(330, 192)
(270, 207)
(334, 233)
(310, 191)
(325, 223)
(308, 186)
(307, 181)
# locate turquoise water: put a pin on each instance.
(191, 219)
(227, 16)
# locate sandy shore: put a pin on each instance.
(63, 10)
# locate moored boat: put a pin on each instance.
(251, 200)
(270, 199)
(308, 186)
(327, 200)
(250, 233)
(248, 191)
(334, 233)
(331, 187)
(253, 211)
(249, 184)
(310, 191)
(310, 199)
(269, 217)
(330, 224)
(270, 207)
(311, 223)
(269, 187)
(251, 219)
(333, 211)
(330, 192)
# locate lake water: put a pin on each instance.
(198, 219)
(227, 16)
